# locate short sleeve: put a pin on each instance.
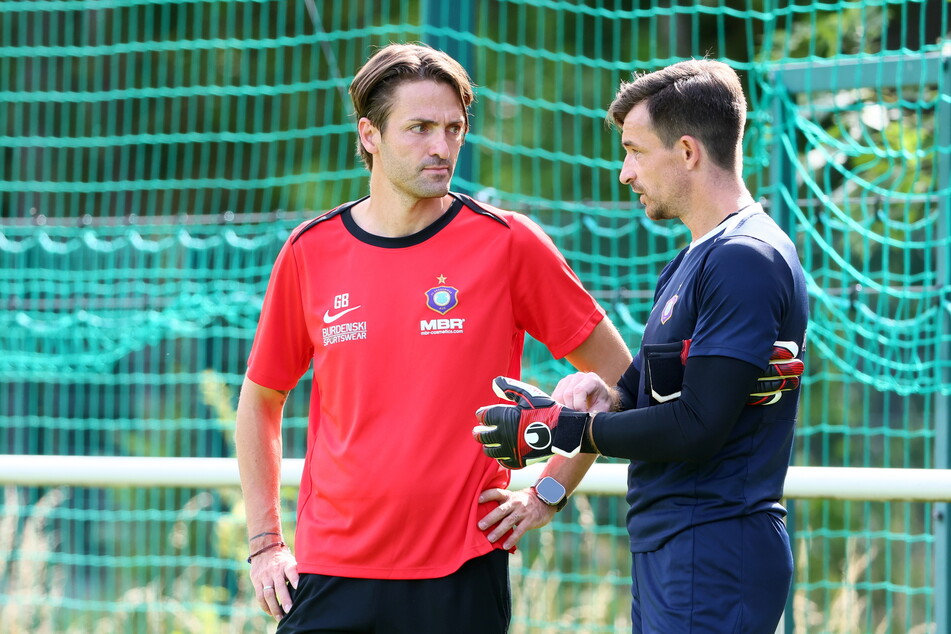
(282, 349)
(550, 303)
(744, 292)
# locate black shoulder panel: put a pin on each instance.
(336, 211)
(479, 209)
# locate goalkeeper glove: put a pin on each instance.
(782, 375)
(532, 429)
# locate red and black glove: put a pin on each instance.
(782, 374)
(532, 429)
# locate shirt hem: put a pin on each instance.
(594, 318)
(365, 572)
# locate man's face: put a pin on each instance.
(418, 148)
(651, 170)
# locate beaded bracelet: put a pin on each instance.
(268, 547)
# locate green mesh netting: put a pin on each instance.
(155, 154)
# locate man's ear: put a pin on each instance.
(690, 150)
(369, 135)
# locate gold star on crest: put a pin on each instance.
(441, 279)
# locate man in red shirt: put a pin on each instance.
(407, 303)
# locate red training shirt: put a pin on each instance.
(405, 336)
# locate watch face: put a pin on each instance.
(550, 491)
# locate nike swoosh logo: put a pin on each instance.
(329, 319)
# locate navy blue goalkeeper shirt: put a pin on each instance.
(731, 294)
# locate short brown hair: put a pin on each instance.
(701, 98)
(371, 91)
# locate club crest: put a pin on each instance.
(668, 309)
(442, 298)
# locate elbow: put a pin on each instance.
(706, 436)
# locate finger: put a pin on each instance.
(565, 387)
(507, 524)
(483, 433)
(580, 391)
(793, 367)
(783, 368)
(272, 605)
(498, 513)
(764, 399)
(501, 386)
(505, 516)
(292, 576)
(262, 603)
(494, 495)
(578, 400)
(785, 350)
(784, 384)
(515, 535)
(500, 521)
(481, 412)
(504, 457)
(490, 520)
(498, 452)
(492, 415)
(523, 394)
(283, 597)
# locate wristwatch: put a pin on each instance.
(551, 492)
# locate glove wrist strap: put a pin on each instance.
(571, 434)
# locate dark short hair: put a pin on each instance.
(701, 98)
(371, 91)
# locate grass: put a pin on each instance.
(569, 577)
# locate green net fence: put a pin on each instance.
(155, 154)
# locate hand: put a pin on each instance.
(586, 392)
(529, 431)
(517, 513)
(271, 571)
(782, 375)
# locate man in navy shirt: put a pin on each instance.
(710, 548)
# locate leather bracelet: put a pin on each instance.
(268, 547)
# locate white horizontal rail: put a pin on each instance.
(844, 483)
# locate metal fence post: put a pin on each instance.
(942, 458)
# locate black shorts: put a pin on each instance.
(476, 599)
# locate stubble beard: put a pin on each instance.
(659, 211)
(427, 185)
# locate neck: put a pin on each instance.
(391, 213)
(717, 200)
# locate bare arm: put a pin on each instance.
(259, 450)
(603, 353)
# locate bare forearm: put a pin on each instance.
(259, 450)
(605, 354)
(569, 471)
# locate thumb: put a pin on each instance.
(522, 394)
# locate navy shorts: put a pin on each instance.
(476, 599)
(731, 576)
